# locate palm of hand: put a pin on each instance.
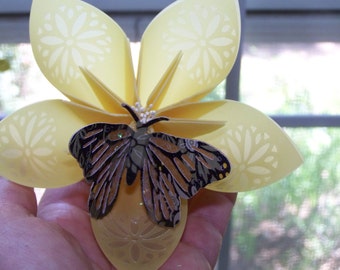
(57, 234)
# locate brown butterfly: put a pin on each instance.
(170, 168)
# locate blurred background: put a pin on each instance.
(289, 68)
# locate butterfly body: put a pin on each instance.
(136, 154)
(168, 167)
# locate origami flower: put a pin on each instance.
(185, 52)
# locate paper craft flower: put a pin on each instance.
(185, 52)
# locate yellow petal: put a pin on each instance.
(129, 238)
(207, 33)
(109, 100)
(68, 34)
(259, 150)
(34, 142)
(187, 120)
(187, 128)
(193, 110)
(158, 94)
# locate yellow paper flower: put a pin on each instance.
(185, 52)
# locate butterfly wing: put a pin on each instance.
(101, 150)
(177, 168)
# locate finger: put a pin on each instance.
(67, 207)
(208, 217)
(16, 199)
(214, 207)
(75, 195)
(209, 214)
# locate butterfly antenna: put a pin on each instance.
(136, 118)
(131, 111)
(155, 120)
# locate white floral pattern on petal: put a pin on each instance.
(141, 242)
(255, 157)
(202, 35)
(29, 140)
(72, 37)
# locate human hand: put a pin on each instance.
(57, 234)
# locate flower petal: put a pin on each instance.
(34, 142)
(192, 110)
(130, 239)
(186, 120)
(109, 100)
(187, 128)
(165, 37)
(83, 36)
(258, 149)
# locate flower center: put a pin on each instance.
(145, 114)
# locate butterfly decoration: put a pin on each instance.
(145, 142)
(170, 167)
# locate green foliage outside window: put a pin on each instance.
(293, 224)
